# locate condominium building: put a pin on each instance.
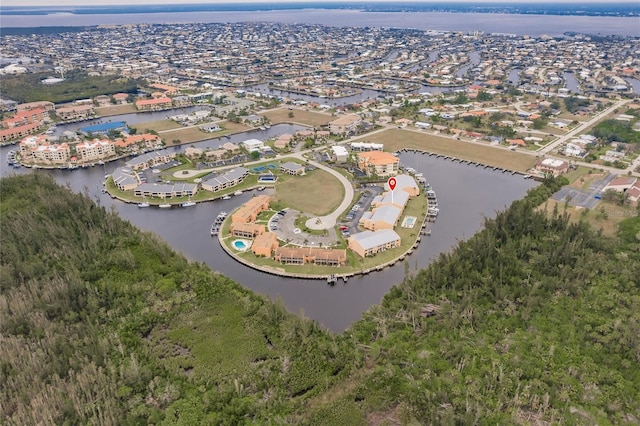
(378, 163)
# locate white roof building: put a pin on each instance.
(368, 243)
(340, 153)
(253, 145)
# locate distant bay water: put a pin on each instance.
(511, 23)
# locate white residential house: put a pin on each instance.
(252, 145)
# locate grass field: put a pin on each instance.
(313, 119)
(396, 139)
(116, 110)
(158, 125)
(188, 135)
(317, 193)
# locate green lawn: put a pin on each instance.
(316, 193)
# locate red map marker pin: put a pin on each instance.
(392, 183)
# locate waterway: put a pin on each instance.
(532, 25)
(466, 195)
(571, 82)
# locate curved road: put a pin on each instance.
(330, 220)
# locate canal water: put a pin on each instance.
(466, 195)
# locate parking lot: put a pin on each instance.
(368, 193)
(283, 224)
(585, 198)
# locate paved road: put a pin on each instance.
(586, 124)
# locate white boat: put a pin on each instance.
(144, 204)
(226, 197)
(237, 193)
(164, 206)
(188, 204)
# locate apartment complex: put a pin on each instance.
(378, 163)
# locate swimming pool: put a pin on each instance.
(408, 222)
(241, 245)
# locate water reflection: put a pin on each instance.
(466, 194)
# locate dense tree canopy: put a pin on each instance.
(77, 85)
(532, 320)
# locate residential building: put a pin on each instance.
(48, 106)
(383, 217)
(368, 243)
(19, 132)
(227, 180)
(125, 179)
(166, 190)
(621, 184)
(265, 244)
(145, 140)
(345, 124)
(246, 230)
(250, 210)
(38, 149)
(155, 104)
(35, 115)
(148, 160)
(292, 168)
(75, 112)
(378, 163)
(552, 166)
(317, 256)
(633, 193)
(252, 145)
(405, 183)
(366, 146)
(339, 154)
(95, 150)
